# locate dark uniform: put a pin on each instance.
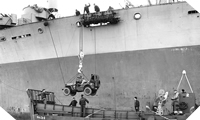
(96, 8)
(77, 13)
(82, 103)
(110, 8)
(43, 95)
(137, 104)
(73, 103)
(86, 9)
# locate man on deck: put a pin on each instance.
(77, 13)
(73, 102)
(82, 103)
(175, 101)
(86, 9)
(43, 95)
(137, 104)
(96, 8)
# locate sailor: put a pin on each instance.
(77, 12)
(73, 102)
(175, 97)
(83, 81)
(96, 8)
(92, 79)
(86, 9)
(82, 103)
(183, 93)
(110, 8)
(79, 80)
(175, 101)
(137, 104)
(43, 95)
(126, 6)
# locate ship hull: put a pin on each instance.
(123, 76)
(134, 58)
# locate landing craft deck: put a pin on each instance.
(61, 112)
(136, 57)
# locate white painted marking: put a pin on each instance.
(4, 115)
(195, 4)
(195, 115)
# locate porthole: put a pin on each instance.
(137, 16)
(78, 24)
(2, 38)
(40, 30)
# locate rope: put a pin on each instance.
(58, 100)
(95, 113)
(12, 87)
(85, 76)
(70, 80)
(71, 41)
(188, 83)
(184, 73)
(179, 82)
(56, 55)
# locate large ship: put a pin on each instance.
(144, 51)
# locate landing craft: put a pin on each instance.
(144, 51)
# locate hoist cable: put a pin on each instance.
(95, 49)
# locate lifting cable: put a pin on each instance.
(80, 56)
(81, 53)
(56, 55)
(95, 49)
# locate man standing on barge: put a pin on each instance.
(82, 103)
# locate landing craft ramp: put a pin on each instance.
(53, 111)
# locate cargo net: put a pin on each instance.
(100, 18)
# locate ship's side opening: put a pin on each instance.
(193, 12)
(21, 36)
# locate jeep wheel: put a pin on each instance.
(87, 91)
(73, 93)
(94, 92)
(66, 91)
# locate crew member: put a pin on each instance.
(175, 101)
(79, 80)
(92, 79)
(73, 102)
(96, 8)
(110, 8)
(77, 12)
(137, 104)
(43, 95)
(86, 9)
(83, 81)
(82, 103)
(183, 93)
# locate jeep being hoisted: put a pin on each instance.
(82, 84)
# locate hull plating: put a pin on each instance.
(123, 75)
(132, 58)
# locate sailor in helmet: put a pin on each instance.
(43, 95)
(175, 101)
